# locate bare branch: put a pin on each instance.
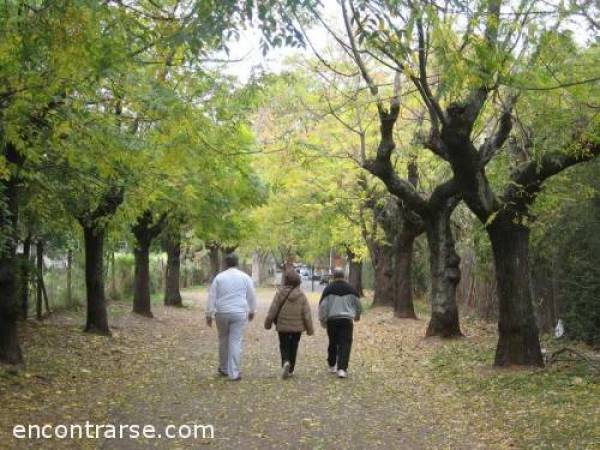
(493, 144)
(356, 54)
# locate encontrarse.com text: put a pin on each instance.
(89, 430)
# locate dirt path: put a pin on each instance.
(162, 371)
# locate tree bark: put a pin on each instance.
(141, 283)
(144, 230)
(355, 273)
(403, 305)
(444, 271)
(97, 317)
(172, 293)
(10, 349)
(518, 342)
(383, 263)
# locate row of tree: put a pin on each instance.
(112, 121)
(488, 101)
(415, 119)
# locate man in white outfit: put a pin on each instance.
(232, 302)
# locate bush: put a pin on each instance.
(580, 280)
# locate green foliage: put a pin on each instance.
(568, 239)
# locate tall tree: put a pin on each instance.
(145, 230)
(471, 64)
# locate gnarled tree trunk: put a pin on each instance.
(172, 293)
(518, 342)
(383, 263)
(403, 305)
(355, 272)
(445, 272)
(96, 318)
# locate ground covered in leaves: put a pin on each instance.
(403, 391)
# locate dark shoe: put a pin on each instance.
(222, 373)
(285, 373)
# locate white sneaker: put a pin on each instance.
(285, 373)
(342, 374)
(332, 369)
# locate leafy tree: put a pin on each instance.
(479, 72)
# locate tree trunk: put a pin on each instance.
(518, 342)
(39, 256)
(403, 305)
(384, 275)
(355, 273)
(141, 283)
(10, 350)
(97, 318)
(145, 230)
(25, 270)
(172, 294)
(445, 273)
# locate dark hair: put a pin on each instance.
(231, 260)
(338, 274)
(291, 278)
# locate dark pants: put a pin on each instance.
(340, 342)
(288, 346)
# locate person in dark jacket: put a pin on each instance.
(339, 307)
(291, 311)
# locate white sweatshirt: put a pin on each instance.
(232, 291)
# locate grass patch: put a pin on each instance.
(554, 407)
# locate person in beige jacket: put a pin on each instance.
(291, 314)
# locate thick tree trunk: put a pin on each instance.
(445, 273)
(355, 273)
(172, 293)
(145, 230)
(141, 282)
(383, 263)
(403, 305)
(10, 350)
(25, 272)
(97, 318)
(518, 342)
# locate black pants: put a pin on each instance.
(288, 346)
(340, 342)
